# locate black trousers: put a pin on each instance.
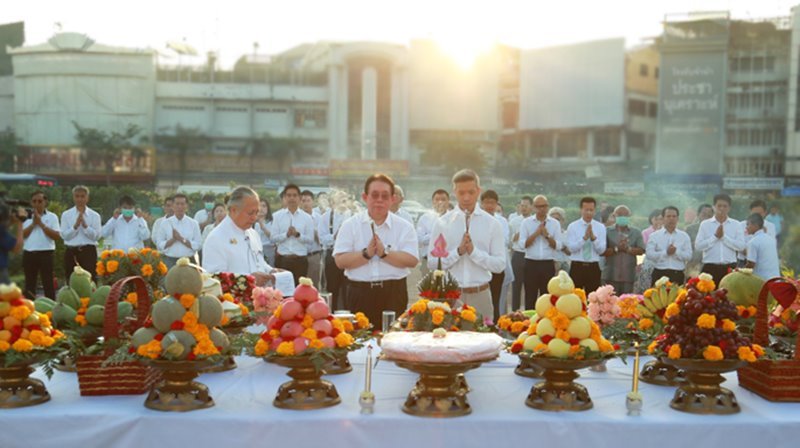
(495, 286)
(518, 267)
(675, 276)
(718, 270)
(585, 275)
(298, 266)
(537, 274)
(334, 278)
(373, 299)
(83, 256)
(35, 264)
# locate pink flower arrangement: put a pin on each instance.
(603, 308)
(265, 302)
(439, 247)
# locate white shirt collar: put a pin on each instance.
(365, 218)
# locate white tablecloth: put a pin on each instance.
(244, 415)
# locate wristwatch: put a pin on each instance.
(364, 253)
(385, 252)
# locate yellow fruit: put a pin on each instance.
(10, 322)
(580, 327)
(591, 344)
(5, 335)
(558, 348)
(545, 328)
(570, 305)
(543, 304)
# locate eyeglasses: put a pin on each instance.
(378, 196)
(542, 206)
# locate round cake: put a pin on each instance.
(454, 347)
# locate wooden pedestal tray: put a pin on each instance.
(558, 391)
(441, 390)
(17, 389)
(527, 369)
(702, 394)
(307, 390)
(662, 374)
(338, 366)
(178, 391)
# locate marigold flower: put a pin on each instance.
(746, 354)
(285, 349)
(605, 346)
(681, 296)
(752, 310)
(540, 348)
(316, 344)
(36, 337)
(20, 312)
(22, 345)
(708, 321)
(674, 351)
(147, 270)
(205, 347)
(532, 328)
(112, 266)
(649, 293)
(645, 323)
(4, 346)
(713, 353)
(337, 324)
(105, 254)
(309, 333)
(563, 335)
(552, 313)
(150, 350)
(162, 268)
(420, 306)
(469, 315)
(672, 310)
(706, 286)
(595, 333)
(518, 327)
(504, 323)
(580, 293)
(362, 321)
(560, 321)
(759, 351)
(652, 347)
(44, 321)
(574, 349)
(343, 340)
(187, 300)
(81, 320)
(728, 325)
(100, 268)
(308, 321)
(348, 326)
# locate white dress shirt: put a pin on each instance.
(424, 229)
(266, 240)
(514, 224)
(156, 226)
(540, 249)
(38, 240)
(506, 228)
(769, 229)
(126, 234)
(231, 249)
(763, 251)
(188, 228)
(575, 242)
(327, 228)
(314, 245)
(206, 232)
(405, 215)
(488, 253)
(201, 216)
(657, 246)
(81, 236)
(302, 222)
(397, 235)
(716, 250)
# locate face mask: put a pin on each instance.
(127, 212)
(209, 206)
(623, 221)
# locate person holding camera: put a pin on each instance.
(40, 230)
(9, 243)
(80, 229)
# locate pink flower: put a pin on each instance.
(265, 301)
(440, 247)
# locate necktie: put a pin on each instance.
(587, 250)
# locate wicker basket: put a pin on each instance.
(127, 378)
(774, 380)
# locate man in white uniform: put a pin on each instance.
(80, 229)
(127, 229)
(41, 231)
(179, 236)
(762, 249)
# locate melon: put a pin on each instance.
(33, 319)
(318, 310)
(560, 284)
(543, 304)
(219, 338)
(100, 295)
(5, 309)
(81, 282)
(143, 336)
(64, 314)
(165, 312)
(183, 278)
(124, 309)
(95, 315)
(43, 304)
(328, 342)
(290, 309)
(305, 292)
(300, 345)
(531, 343)
(590, 344)
(210, 312)
(178, 344)
(557, 348)
(323, 325)
(570, 304)
(545, 328)
(69, 297)
(580, 327)
(743, 287)
(291, 329)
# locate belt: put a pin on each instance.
(292, 256)
(667, 270)
(475, 289)
(539, 261)
(314, 253)
(80, 248)
(376, 283)
(585, 263)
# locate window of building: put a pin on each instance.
(636, 140)
(732, 100)
(730, 137)
(742, 140)
(271, 110)
(758, 64)
(766, 137)
(757, 99)
(643, 69)
(309, 118)
(744, 100)
(744, 64)
(182, 107)
(572, 144)
(637, 107)
(769, 63)
(780, 137)
(541, 145)
(734, 64)
(606, 143)
(652, 109)
(231, 109)
(755, 137)
(769, 100)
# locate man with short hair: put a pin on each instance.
(623, 244)
(489, 201)
(541, 238)
(399, 197)
(669, 248)
(328, 229)
(292, 231)
(126, 229)
(376, 249)
(762, 250)
(704, 211)
(179, 236)
(80, 229)
(234, 246)
(204, 216)
(760, 207)
(440, 199)
(41, 231)
(525, 207)
(314, 247)
(475, 244)
(167, 207)
(586, 240)
(720, 238)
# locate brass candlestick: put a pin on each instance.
(633, 401)
(367, 398)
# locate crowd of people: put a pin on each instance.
(364, 257)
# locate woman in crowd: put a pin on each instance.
(264, 228)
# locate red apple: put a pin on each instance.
(318, 310)
(300, 344)
(290, 309)
(323, 325)
(291, 330)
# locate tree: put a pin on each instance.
(8, 151)
(181, 141)
(454, 154)
(275, 147)
(105, 147)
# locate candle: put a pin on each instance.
(636, 368)
(368, 371)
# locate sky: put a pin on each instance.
(462, 28)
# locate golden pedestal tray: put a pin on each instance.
(227, 364)
(177, 391)
(338, 366)
(441, 390)
(527, 369)
(17, 389)
(662, 374)
(702, 394)
(307, 390)
(558, 391)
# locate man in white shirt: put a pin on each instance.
(399, 197)
(586, 241)
(760, 207)
(234, 246)
(179, 236)
(669, 248)
(204, 217)
(376, 249)
(525, 208)
(314, 247)
(489, 200)
(80, 229)
(440, 199)
(41, 231)
(167, 207)
(541, 237)
(475, 244)
(328, 229)
(127, 229)
(762, 249)
(720, 238)
(292, 231)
